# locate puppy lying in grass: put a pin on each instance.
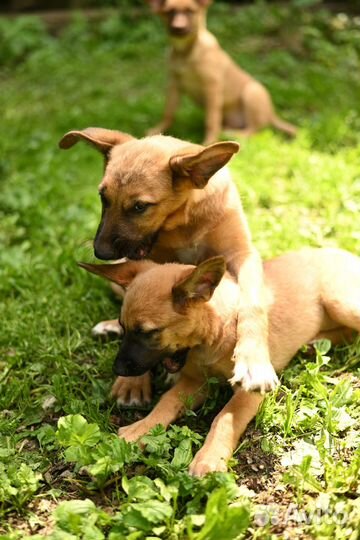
(200, 68)
(189, 313)
(173, 201)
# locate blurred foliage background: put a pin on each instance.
(29, 5)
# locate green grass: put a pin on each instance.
(78, 480)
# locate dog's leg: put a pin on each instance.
(132, 390)
(225, 432)
(214, 111)
(252, 365)
(171, 106)
(111, 327)
(240, 133)
(107, 328)
(346, 310)
(171, 405)
(338, 336)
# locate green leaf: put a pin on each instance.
(74, 507)
(223, 521)
(118, 449)
(146, 514)
(74, 430)
(182, 455)
(141, 488)
(79, 517)
(157, 441)
(102, 468)
(322, 346)
(167, 492)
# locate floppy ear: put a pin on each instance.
(120, 273)
(204, 3)
(199, 167)
(155, 5)
(199, 284)
(102, 139)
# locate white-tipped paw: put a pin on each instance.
(107, 328)
(207, 462)
(135, 431)
(254, 377)
(132, 390)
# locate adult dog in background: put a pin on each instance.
(170, 200)
(233, 99)
(180, 309)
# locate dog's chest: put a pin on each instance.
(189, 79)
(193, 254)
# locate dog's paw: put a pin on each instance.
(206, 462)
(135, 431)
(132, 391)
(107, 328)
(254, 376)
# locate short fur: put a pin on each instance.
(233, 99)
(311, 294)
(174, 201)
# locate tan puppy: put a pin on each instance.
(170, 309)
(171, 200)
(199, 67)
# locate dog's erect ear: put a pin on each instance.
(120, 273)
(199, 167)
(156, 5)
(199, 284)
(102, 139)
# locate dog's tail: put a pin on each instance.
(287, 128)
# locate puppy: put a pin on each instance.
(191, 312)
(233, 100)
(174, 201)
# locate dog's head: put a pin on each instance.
(145, 182)
(182, 18)
(163, 310)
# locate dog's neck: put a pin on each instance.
(195, 204)
(215, 321)
(184, 45)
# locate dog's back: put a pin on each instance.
(312, 293)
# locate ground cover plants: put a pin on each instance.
(64, 474)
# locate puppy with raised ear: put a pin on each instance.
(199, 67)
(190, 313)
(171, 200)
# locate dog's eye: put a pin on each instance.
(104, 200)
(139, 331)
(140, 207)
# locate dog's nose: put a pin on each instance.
(104, 252)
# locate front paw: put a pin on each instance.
(253, 374)
(132, 390)
(135, 431)
(206, 462)
(105, 329)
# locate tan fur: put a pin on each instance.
(196, 212)
(312, 293)
(233, 99)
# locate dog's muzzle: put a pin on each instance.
(175, 362)
(136, 358)
(123, 247)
